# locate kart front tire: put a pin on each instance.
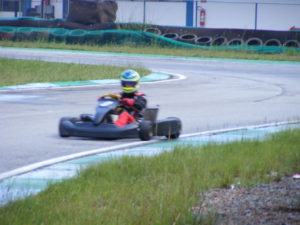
(145, 131)
(62, 132)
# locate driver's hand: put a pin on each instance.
(127, 101)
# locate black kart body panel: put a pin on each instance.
(103, 130)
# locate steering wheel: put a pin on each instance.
(113, 96)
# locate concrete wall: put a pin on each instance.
(161, 13)
(281, 17)
(244, 14)
(6, 14)
(223, 15)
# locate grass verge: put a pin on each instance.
(291, 55)
(160, 189)
(15, 72)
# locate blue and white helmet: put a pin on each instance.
(130, 80)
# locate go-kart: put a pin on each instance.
(101, 125)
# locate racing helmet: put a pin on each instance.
(130, 81)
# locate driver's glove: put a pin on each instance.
(127, 101)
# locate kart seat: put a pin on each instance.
(87, 117)
(150, 114)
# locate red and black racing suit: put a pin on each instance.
(134, 103)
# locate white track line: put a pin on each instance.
(35, 166)
(49, 162)
(240, 128)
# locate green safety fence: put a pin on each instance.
(29, 18)
(120, 37)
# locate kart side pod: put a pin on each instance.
(169, 127)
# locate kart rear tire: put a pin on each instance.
(173, 136)
(146, 131)
(179, 124)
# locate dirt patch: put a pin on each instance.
(267, 204)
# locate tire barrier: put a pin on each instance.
(43, 29)
(235, 42)
(204, 41)
(58, 35)
(140, 38)
(173, 36)
(254, 41)
(7, 33)
(102, 38)
(292, 43)
(219, 41)
(92, 37)
(153, 30)
(188, 38)
(42, 35)
(24, 33)
(76, 36)
(272, 42)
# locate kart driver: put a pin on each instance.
(133, 101)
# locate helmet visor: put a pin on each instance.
(128, 83)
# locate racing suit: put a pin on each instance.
(134, 103)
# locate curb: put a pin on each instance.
(50, 162)
(153, 77)
(32, 179)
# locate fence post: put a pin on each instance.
(26, 4)
(189, 13)
(255, 25)
(144, 18)
(16, 6)
(66, 4)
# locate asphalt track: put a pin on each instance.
(216, 94)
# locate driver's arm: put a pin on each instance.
(140, 102)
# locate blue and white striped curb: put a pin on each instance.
(149, 78)
(39, 176)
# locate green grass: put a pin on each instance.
(14, 72)
(291, 55)
(160, 189)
